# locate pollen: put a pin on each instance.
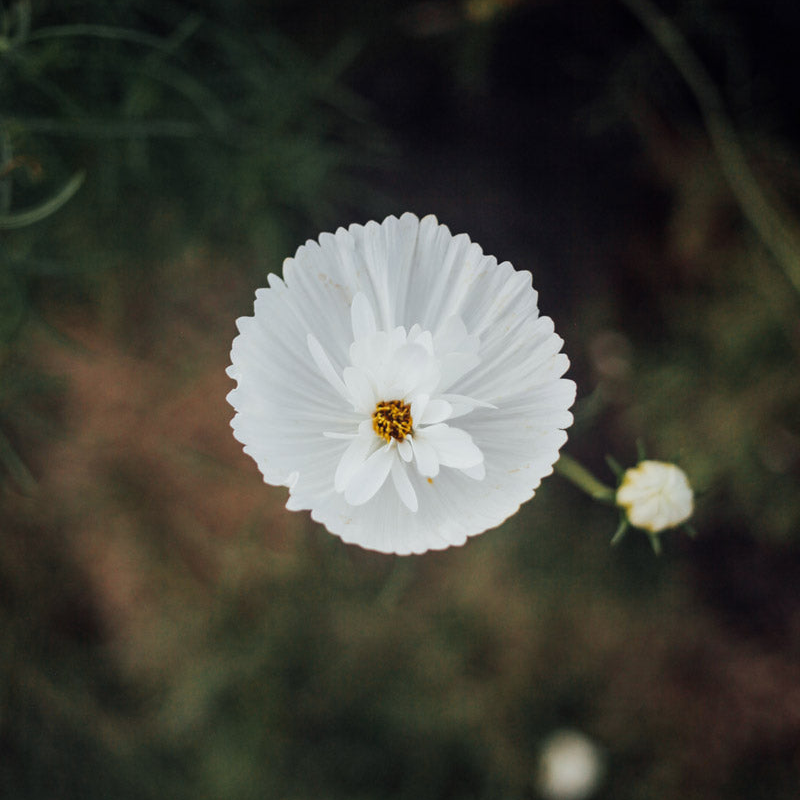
(392, 420)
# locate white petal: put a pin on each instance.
(325, 366)
(370, 476)
(360, 390)
(450, 336)
(478, 472)
(435, 411)
(397, 337)
(362, 316)
(405, 450)
(418, 406)
(366, 352)
(462, 404)
(403, 485)
(425, 340)
(455, 366)
(454, 447)
(408, 369)
(425, 456)
(352, 459)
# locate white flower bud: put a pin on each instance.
(656, 496)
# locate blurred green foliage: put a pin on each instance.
(170, 125)
(181, 124)
(715, 367)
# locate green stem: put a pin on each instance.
(576, 473)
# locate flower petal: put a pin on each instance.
(405, 450)
(403, 485)
(450, 336)
(455, 366)
(435, 411)
(477, 473)
(370, 476)
(325, 367)
(353, 457)
(362, 317)
(359, 389)
(425, 456)
(410, 370)
(418, 406)
(461, 404)
(454, 447)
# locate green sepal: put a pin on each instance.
(619, 534)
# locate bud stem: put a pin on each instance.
(576, 473)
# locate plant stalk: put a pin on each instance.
(577, 474)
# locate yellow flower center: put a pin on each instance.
(392, 420)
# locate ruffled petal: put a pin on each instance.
(362, 317)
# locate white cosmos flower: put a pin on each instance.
(656, 496)
(401, 384)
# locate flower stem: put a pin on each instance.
(576, 473)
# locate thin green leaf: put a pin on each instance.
(23, 218)
(108, 32)
(111, 129)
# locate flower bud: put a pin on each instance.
(656, 496)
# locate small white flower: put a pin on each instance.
(570, 767)
(656, 496)
(401, 384)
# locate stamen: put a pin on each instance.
(392, 420)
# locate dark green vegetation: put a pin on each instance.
(166, 629)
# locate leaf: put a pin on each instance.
(22, 219)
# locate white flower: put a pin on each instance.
(656, 496)
(401, 384)
(570, 767)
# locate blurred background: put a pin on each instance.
(168, 630)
